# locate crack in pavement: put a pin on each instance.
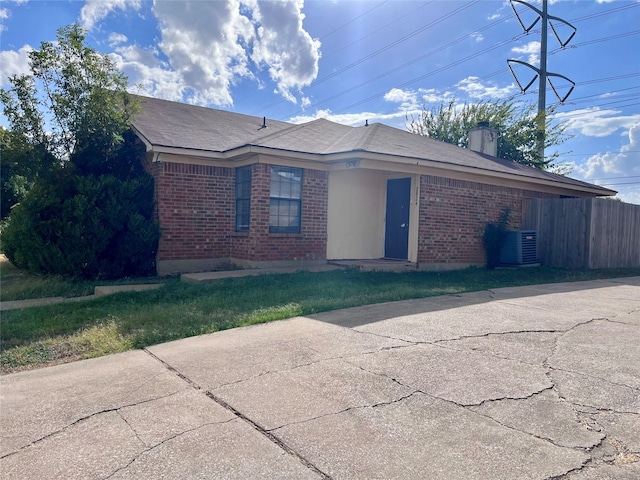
(84, 418)
(621, 457)
(153, 447)
(302, 365)
(242, 417)
(131, 428)
(479, 335)
(355, 407)
(468, 407)
(463, 405)
(583, 374)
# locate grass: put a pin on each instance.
(47, 335)
(15, 284)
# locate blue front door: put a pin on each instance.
(396, 238)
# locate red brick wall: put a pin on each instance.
(196, 212)
(310, 244)
(453, 214)
(195, 208)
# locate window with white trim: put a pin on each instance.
(285, 200)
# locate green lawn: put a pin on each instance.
(40, 336)
(18, 285)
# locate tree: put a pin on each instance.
(14, 171)
(74, 100)
(89, 212)
(519, 126)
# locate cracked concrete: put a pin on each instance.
(537, 382)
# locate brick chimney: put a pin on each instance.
(484, 139)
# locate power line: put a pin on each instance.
(345, 25)
(607, 92)
(606, 12)
(325, 36)
(579, 112)
(614, 184)
(422, 77)
(377, 52)
(404, 65)
(598, 153)
(453, 64)
(377, 31)
(383, 49)
(611, 178)
(597, 40)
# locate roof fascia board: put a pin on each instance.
(148, 145)
(472, 175)
(375, 161)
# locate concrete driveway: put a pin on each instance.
(518, 383)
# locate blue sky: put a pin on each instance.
(352, 61)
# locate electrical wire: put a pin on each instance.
(453, 64)
(404, 65)
(422, 77)
(383, 49)
(597, 40)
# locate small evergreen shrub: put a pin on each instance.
(493, 238)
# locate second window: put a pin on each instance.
(285, 200)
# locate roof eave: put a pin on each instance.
(331, 158)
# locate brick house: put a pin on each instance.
(254, 191)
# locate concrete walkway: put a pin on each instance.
(97, 292)
(539, 382)
(202, 277)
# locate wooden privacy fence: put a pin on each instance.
(584, 232)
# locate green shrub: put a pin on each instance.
(493, 238)
(85, 226)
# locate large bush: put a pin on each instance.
(85, 226)
(89, 210)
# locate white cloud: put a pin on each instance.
(432, 95)
(95, 10)
(476, 90)
(148, 73)
(397, 119)
(414, 100)
(532, 49)
(408, 99)
(206, 47)
(14, 63)
(205, 43)
(4, 14)
(625, 163)
(629, 196)
(478, 37)
(116, 39)
(284, 46)
(594, 122)
(397, 95)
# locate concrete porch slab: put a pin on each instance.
(203, 277)
(376, 265)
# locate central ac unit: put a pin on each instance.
(519, 248)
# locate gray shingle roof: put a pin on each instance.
(175, 125)
(172, 124)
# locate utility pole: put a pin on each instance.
(541, 73)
